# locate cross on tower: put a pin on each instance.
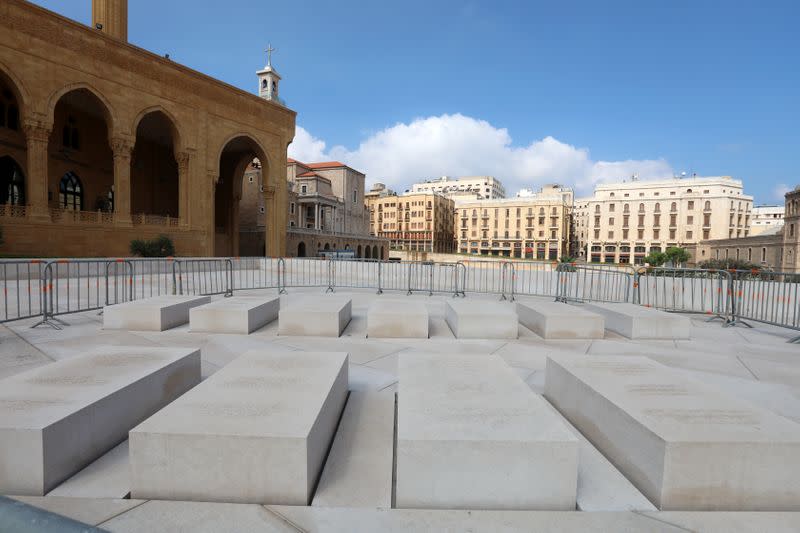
(269, 51)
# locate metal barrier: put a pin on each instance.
(22, 289)
(692, 290)
(49, 289)
(596, 283)
(766, 297)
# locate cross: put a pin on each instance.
(269, 51)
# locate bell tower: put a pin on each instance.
(111, 17)
(791, 232)
(269, 79)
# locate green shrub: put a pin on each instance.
(161, 246)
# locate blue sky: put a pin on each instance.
(533, 92)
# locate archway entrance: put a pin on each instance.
(13, 149)
(81, 167)
(367, 252)
(301, 249)
(237, 154)
(154, 170)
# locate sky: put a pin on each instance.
(571, 92)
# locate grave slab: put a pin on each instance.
(472, 435)
(397, 319)
(239, 314)
(473, 319)
(58, 418)
(685, 445)
(556, 320)
(639, 322)
(158, 313)
(321, 316)
(256, 431)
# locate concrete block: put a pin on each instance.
(317, 316)
(639, 322)
(151, 314)
(256, 431)
(556, 320)
(397, 319)
(471, 435)
(239, 314)
(58, 418)
(474, 319)
(684, 444)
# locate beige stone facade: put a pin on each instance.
(533, 227)
(776, 248)
(318, 218)
(623, 222)
(416, 222)
(103, 142)
(466, 188)
(766, 218)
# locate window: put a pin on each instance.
(71, 192)
(611, 206)
(355, 196)
(12, 182)
(705, 234)
(707, 206)
(597, 208)
(611, 221)
(691, 204)
(641, 208)
(626, 208)
(303, 189)
(291, 208)
(689, 234)
(610, 234)
(657, 208)
(690, 220)
(673, 207)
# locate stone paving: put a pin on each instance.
(754, 365)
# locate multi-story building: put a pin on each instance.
(412, 221)
(623, 222)
(325, 211)
(536, 226)
(776, 248)
(765, 218)
(463, 189)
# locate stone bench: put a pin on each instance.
(151, 314)
(479, 319)
(685, 445)
(318, 316)
(397, 319)
(472, 435)
(239, 314)
(555, 320)
(639, 322)
(256, 431)
(58, 418)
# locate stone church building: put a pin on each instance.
(102, 142)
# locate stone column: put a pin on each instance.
(183, 160)
(37, 136)
(316, 216)
(122, 149)
(272, 237)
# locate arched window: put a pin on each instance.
(641, 208)
(658, 207)
(688, 190)
(707, 205)
(673, 207)
(12, 182)
(71, 192)
(264, 83)
(597, 209)
(626, 208)
(541, 210)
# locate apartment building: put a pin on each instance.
(765, 218)
(412, 221)
(466, 188)
(623, 222)
(534, 226)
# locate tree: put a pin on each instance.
(655, 259)
(677, 256)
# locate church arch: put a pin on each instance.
(301, 249)
(155, 181)
(236, 154)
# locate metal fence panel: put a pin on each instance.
(22, 288)
(595, 283)
(691, 290)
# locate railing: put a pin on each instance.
(52, 288)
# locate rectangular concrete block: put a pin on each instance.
(256, 431)
(58, 418)
(151, 314)
(472, 435)
(397, 319)
(556, 320)
(479, 319)
(239, 314)
(317, 316)
(684, 444)
(639, 322)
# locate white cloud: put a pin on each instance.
(457, 145)
(779, 192)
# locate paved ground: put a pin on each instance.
(754, 364)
